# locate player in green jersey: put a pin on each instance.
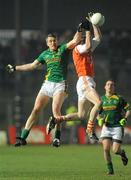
(54, 85)
(113, 116)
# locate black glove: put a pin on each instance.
(123, 121)
(10, 68)
(85, 24)
(79, 29)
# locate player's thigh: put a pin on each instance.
(116, 146)
(57, 102)
(41, 101)
(93, 96)
(106, 144)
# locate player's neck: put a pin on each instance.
(108, 94)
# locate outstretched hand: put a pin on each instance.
(10, 68)
(100, 121)
(123, 121)
(90, 14)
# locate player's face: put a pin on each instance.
(52, 43)
(110, 87)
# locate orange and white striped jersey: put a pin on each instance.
(84, 64)
(83, 59)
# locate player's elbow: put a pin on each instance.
(98, 39)
(88, 47)
(75, 41)
(32, 66)
(81, 115)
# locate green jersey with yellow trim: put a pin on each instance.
(113, 109)
(56, 62)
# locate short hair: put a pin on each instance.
(110, 79)
(51, 35)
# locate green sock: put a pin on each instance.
(57, 134)
(110, 167)
(24, 133)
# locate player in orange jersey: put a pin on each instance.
(84, 65)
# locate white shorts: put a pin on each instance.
(82, 83)
(115, 133)
(51, 88)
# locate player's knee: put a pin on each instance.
(81, 116)
(107, 151)
(36, 110)
(98, 104)
(115, 151)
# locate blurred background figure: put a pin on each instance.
(113, 117)
(71, 126)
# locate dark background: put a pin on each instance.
(65, 13)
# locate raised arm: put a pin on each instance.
(76, 39)
(88, 40)
(97, 33)
(97, 37)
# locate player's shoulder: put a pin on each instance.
(80, 48)
(119, 96)
(103, 96)
(62, 45)
(45, 52)
(81, 45)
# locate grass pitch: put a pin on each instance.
(64, 163)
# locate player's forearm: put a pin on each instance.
(88, 40)
(25, 67)
(77, 37)
(128, 113)
(97, 33)
(28, 67)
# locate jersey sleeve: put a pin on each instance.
(81, 48)
(101, 108)
(126, 106)
(41, 58)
